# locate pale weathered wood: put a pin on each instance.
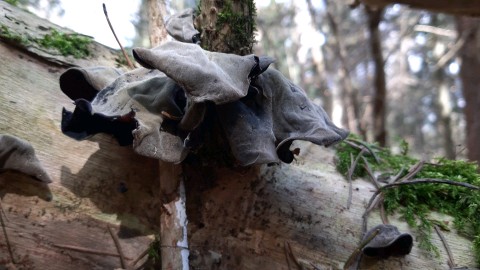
(243, 220)
(28, 26)
(95, 182)
(238, 219)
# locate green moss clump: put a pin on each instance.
(6, 34)
(154, 251)
(66, 44)
(415, 202)
(13, 2)
(242, 26)
(389, 164)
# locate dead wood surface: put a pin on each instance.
(238, 219)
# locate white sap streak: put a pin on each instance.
(182, 220)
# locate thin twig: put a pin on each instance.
(434, 30)
(365, 145)
(369, 208)
(295, 260)
(397, 177)
(287, 256)
(130, 65)
(350, 184)
(383, 214)
(451, 261)
(366, 165)
(353, 166)
(358, 249)
(143, 254)
(412, 171)
(7, 241)
(88, 250)
(429, 181)
(117, 245)
(3, 211)
(314, 266)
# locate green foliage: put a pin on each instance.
(66, 44)
(8, 35)
(389, 164)
(415, 202)
(154, 251)
(13, 2)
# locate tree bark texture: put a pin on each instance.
(227, 25)
(470, 66)
(238, 219)
(380, 88)
(156, 24)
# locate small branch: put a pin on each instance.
(287, 256)
(411, 172)
(434, 30)
(397, 177)
(143, 254)
(130, 65)
(366, 165)
(383, 214)
(451, 261)
(87, 250)
(450, 54)
(117, 245)
(428, 181)
(365, 145)
(353, 166)
(7, 241)
(357, 250)
(3, 211)
(292, 255)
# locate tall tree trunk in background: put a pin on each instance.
(227, 25)
(156, 25)
(469, 53)
(352, 110)
(320, 66)
(380, 92)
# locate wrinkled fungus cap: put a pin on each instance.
(388, 242)
(259, 110)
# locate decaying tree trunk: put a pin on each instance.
(238, 219)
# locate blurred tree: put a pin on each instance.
(379, 101)
(469, 29)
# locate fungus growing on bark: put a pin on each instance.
(19, 155)
(182, 91)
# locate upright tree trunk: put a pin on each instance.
(156, 25)
(470, 66)
(352, 111)
(380, 94)
(227, 25)
(320, 66)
